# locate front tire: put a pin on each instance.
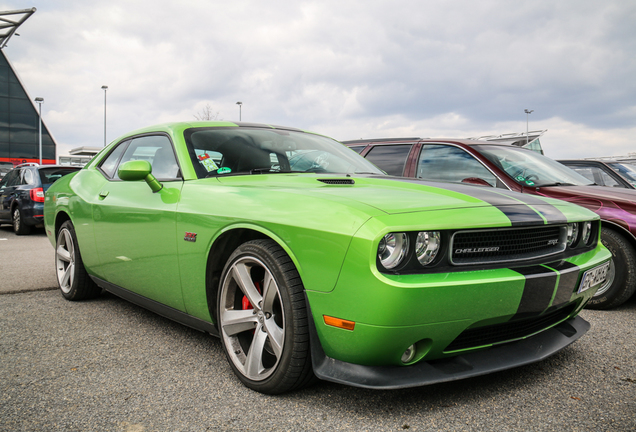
(72, 278)
(19, 227)
(621, 278)
(262, 319)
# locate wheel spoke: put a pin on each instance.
(67, 276)
(270, 292)
(276, 336)
(241, 275)
(63, 254)
(254, 360)
(237, 321)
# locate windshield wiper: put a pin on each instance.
(556, 184)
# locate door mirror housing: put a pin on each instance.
(139, 170)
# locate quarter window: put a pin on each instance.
(391, 159)
(450, 164)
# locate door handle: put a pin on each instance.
(103, 194)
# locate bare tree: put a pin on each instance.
(207, 114)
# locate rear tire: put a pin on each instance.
(262, 319)
(72, 278)
(621, 278)
(19, 227)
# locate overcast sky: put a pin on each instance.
(347, 69)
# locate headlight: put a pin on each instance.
(573, 233)
(426, 246)
(586, 232)
(392, 249)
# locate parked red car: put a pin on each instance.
(517, 169)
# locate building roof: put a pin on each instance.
(10, 21)
(85, 151)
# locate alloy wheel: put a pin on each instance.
(65, 260)
(251, 318)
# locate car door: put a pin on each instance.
(135, 228)
(7, 190)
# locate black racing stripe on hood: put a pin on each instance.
(509, 203)
(537, 291)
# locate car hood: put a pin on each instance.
(393, 195)
(614, 205)
(593, 197)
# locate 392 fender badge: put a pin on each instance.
(191, 237)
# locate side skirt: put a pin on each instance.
(158, 308)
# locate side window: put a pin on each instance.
(595, 175)
(584, 171)
(157, 150)
(27, 176)
(607, 179)
(110, 163)
(450, 164)
(10, 178)
(391, 159)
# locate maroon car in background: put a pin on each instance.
(509, 167)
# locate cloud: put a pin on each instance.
(343, 68)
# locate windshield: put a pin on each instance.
(529, 168)
(223, 151)
(628, 171)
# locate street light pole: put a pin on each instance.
(527, 111)
(240, 104)
(104, 87)
(39, 100)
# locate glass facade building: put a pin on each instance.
(19, 122)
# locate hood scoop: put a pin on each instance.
(338, 181)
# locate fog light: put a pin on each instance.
(408, 355)
(573, 233)
(426, 246)
(392, 249)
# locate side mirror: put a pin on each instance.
(476, 181)
(139, 170)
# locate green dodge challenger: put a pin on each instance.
(307, 261)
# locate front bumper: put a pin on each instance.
(472, 364)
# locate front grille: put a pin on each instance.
(337, 181)
(508, 331)
(506, 245)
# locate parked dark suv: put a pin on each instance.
(504, 166)
(22, 194)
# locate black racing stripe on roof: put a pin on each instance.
(509, 203)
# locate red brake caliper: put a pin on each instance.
(246, 303)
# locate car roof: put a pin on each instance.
(464, 141)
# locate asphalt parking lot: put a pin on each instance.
(107, 365)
